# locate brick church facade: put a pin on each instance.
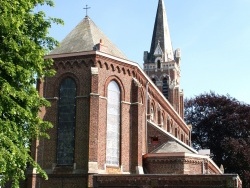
(116, 124)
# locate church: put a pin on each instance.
(116, 124)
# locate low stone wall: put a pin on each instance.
(59, 181)
(170, 181)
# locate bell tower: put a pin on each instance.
(162, 64)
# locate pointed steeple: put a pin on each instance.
(161, 34)
(161, 64)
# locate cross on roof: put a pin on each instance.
(87, 9)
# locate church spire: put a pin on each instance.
(161, 64)
(161, 35)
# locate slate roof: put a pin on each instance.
(161, 33)
(171, 147)
(173, 144)
(86, 36)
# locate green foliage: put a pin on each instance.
(222, 124)
(23, 44)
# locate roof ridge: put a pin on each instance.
(86, 37)
(90, 28)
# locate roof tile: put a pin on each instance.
(86, 36)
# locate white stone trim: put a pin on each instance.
(139, 170)
(94, 94)
(94, 71)
(93, 167)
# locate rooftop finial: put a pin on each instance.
(87, 7)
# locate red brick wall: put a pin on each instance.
(62, 181)
(155, 133)
(130, 108)
(168, 166)
(173, 165)
(46, 149)
(91, 118)
(170, 181)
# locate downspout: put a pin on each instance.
(146, 117)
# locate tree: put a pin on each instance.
(23, 44)
(222, 124)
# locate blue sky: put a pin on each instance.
(214, 37)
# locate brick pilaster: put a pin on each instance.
(136, 120)
(93, 123)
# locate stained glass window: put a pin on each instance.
(66, 122)
(113, 125)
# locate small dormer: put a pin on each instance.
(158, 56)
(158, 51)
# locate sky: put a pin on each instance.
(213, 35)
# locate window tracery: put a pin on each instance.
(66, 122)
(113, 125)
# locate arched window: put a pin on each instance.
(162, 120)
(113, 125)
(168, 125)
(165, 87)
(182, 137)
(152, 114)
(66, 122)
(158, 64)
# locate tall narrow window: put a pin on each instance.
(176, 133)
(159, 117)
(113, 125)
(168, 125)
(158, 64)
(165, 87)
(66, 122)
(152, 113)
